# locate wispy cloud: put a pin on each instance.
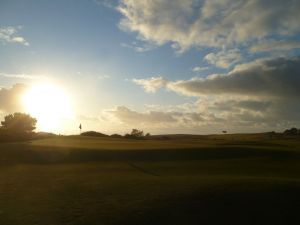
(224, 58)
(152, 84)
(199, 68)
(107, 3)
(103, 76)
(23, 76)
(127, 115)
(87, 118)
(11, 35)
(268, 46)
(139, 47)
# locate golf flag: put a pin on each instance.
(80, 126)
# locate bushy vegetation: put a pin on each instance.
(19, 123)
(136, 134)
(17, 126)
(292, 131)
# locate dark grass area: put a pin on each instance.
(237, 183)
(243, 202)
(26, 153)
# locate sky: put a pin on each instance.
(163, 66)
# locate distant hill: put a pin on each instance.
(238, 136)
(291, 133)
(93, 134)
(44, 135)
(116, 136)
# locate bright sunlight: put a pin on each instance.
(49, 104)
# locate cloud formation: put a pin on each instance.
(22, 76)
(139, 47)
(272, 77)
(159, 119)
(211, 116)
(214, 23)
(224, 59)
(277, 78)
(11, 98)
(152, 84)
(256, 96)
(132, 117)
(10, 35)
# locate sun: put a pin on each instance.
(49, 104)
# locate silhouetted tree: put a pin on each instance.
(292, 131)
(135, 133)
(19, 123)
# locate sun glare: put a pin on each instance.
(49, 104)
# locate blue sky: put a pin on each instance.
(107, 54)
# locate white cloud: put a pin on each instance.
(10, 35)
(152, 84)
(224, 59)
(187, 23)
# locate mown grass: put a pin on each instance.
(204, 180)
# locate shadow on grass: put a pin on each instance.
(256, 204)
(15, 153)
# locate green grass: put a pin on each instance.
(229, 179)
